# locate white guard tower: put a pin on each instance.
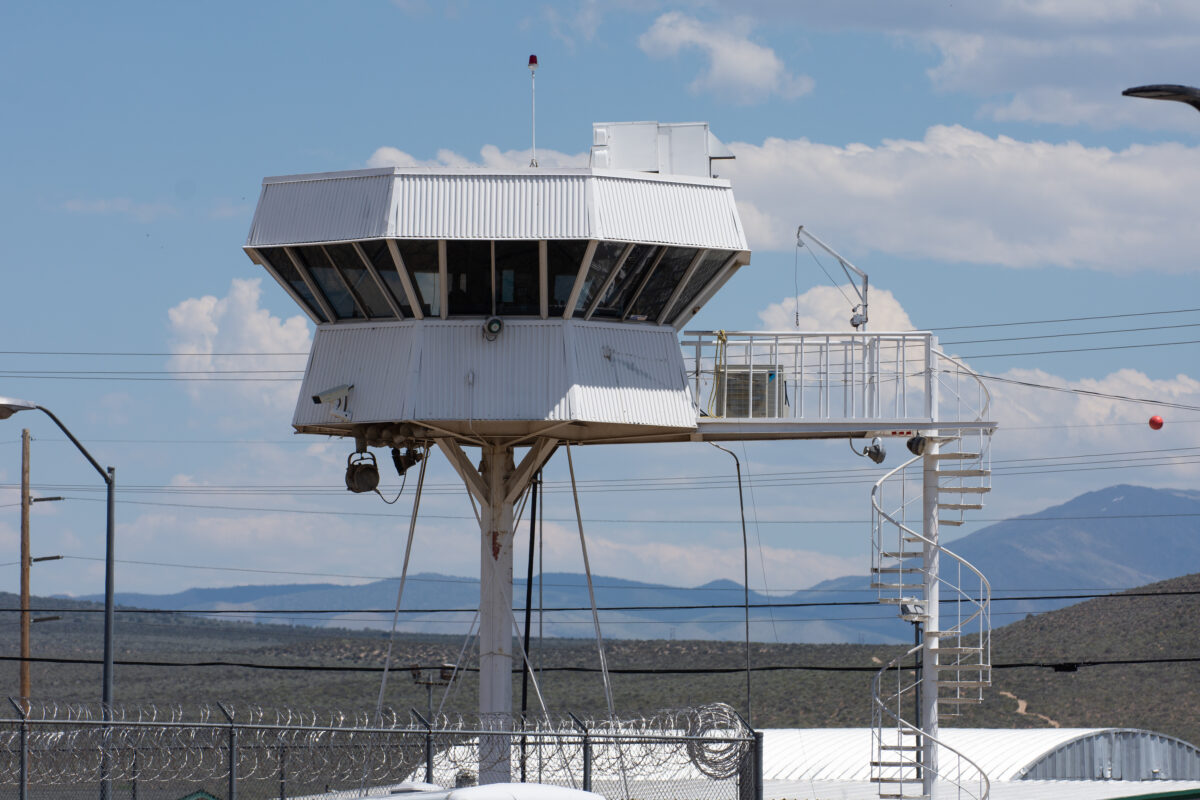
(529, 308)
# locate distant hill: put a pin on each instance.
(1027, 691)
(1109, 539)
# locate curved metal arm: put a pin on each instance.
(95, 464)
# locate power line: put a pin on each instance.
(250, 612)
(1064, 319)
(1057, 666)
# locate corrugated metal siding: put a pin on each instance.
(322, 210)
(700, 215)
(519, 376)
(631, 374)
(374, 358)
(470, 206)
(535, 370)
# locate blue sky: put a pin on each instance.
(977, 160)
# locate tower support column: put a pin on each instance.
(495, 614)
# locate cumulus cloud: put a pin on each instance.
(737, 67)
(827, 308)
(958, 195)
(490, 157)
(235, 335)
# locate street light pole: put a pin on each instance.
(10, 406)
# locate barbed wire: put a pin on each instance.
(79, 743)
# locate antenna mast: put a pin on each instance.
(533, 65)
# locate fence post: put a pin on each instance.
(587, 753)
(758, 765)
(233, 753)
(282, 773)
(23, 777)
(133, 783)
(428, 745)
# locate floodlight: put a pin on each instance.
(875, 450)
(11, 405)
(492, 327)
(917, 444)
(362, 473)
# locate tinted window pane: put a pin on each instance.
(517, 289)
(666, 277)
(563, 259)
(279, 261)
(469, 272)
(421, 260)
(603, 261)
(627, 280)
(708, 269)
(380, 255)
(325, 276)
(355, 273)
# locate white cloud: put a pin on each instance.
(235, 335)
(737, 67)
(958, 195)
(827, 308)
(490, 157)
(121, 206)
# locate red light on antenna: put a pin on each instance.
(533, 63)
(1156, 422)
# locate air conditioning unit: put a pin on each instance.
(742, 391)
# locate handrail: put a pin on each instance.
(987, 405)
(881, 706)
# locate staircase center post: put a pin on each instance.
(929, 668)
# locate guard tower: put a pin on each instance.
(506, 309)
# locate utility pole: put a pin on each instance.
(25, 505)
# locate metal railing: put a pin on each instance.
(60, 752)
(813, 376)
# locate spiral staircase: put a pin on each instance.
(944, 596)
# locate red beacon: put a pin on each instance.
(533, 63)
(1156, 422)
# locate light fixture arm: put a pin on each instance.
(78, 445)
(847, 268)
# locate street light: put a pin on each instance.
(1167, 91)
(10, 406)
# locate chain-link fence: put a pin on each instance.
(64, 752)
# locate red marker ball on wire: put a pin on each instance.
(1156, 422)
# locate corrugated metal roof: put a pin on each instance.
(540, 370)
(324, 209)
(702, 215)
(478, 204)
(844, 754)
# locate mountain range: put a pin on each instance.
(1105, 540)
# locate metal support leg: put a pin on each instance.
(495, 616)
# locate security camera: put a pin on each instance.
(334, 395)
(338, 400)
(492, 327)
